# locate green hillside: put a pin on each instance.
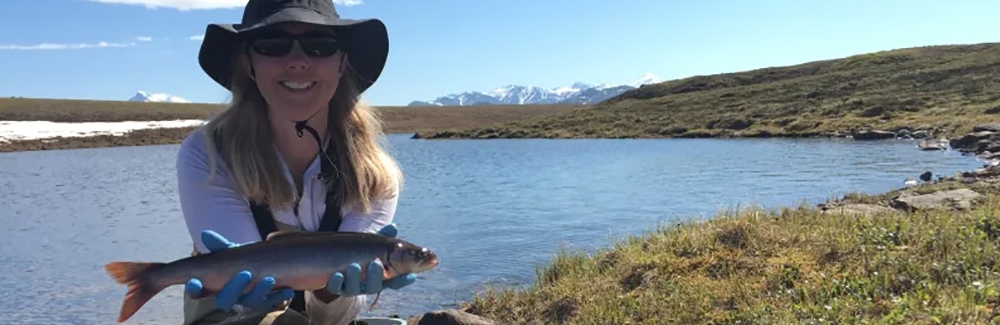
(941, 89)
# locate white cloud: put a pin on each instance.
(65, 46)
(197, 37)
(201, 4)
(144, 39)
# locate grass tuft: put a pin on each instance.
(793, 265)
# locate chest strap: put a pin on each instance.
(331, 217)
(330, 222)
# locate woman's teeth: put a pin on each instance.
(297, 85)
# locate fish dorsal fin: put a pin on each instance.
(348, 236)
(299, 233)
(284, 234)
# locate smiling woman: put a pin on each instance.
(296, 149)
(297, 81)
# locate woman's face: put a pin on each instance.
(296, 85)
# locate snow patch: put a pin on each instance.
(646, 79)
(34, 130)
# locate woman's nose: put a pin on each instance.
(297, 58)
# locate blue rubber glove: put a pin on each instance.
(262, 297)
(351, 285)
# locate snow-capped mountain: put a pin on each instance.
(142, 96)
(578, 93)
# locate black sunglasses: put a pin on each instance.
(280, 44)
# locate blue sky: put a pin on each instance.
(449, 46)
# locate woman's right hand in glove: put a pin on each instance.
(262, 296)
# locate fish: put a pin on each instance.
(295, 259)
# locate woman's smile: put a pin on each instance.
(298, 86)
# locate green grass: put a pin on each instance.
(794, 265)
(942, 89)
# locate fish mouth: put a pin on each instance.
(430, 261)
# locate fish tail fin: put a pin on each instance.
(141, 287)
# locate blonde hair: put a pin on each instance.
(242, 134)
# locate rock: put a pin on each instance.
(416, 135)
(970, 142)
(873, 135)
(921, 134)
(992, 127)
(449, 317)
(960, 199)
(927, 145)
(859, 209)
(926, 176)
(904, 134)
(990, 171)
(989, 155)
(987, 146)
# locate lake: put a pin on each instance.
(491, 209)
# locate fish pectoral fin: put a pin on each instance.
(372, 306)
(385, 273)
(205, 293)
(364, 270)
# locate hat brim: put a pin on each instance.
(365, 41)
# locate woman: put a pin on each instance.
(295, 70)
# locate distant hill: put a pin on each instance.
(577, 94)
(942, 89)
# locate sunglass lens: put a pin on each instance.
(319, 46)
(272, 46)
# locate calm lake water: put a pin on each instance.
(491, 209)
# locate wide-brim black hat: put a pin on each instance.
(365, 41)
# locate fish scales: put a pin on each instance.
(297, 260)
(288, 259)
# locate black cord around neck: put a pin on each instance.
(302, 125)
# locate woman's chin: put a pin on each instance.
(296, 111)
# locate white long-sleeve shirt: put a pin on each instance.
(217, 206)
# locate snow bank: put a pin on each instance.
(33, 130)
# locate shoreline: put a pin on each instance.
(395, 119)
(881, 257)
(175, 135)
(503, 132)
(141, 137)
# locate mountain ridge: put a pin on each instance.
(143, 96)
(578, 93)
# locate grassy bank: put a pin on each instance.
(940, 89)
(860, 259)
(396, 119)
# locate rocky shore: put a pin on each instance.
(960, 191)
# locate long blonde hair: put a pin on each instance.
(242, 134)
